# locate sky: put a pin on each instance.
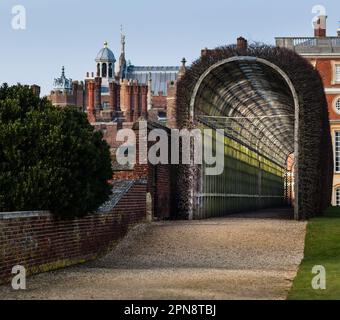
(158, 32)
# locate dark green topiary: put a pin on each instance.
(50, 158)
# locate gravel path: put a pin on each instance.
(229, 258)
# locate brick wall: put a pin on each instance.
(159, 101)
(159, 186)
(325, 68)
(40, 242)
(159, 177)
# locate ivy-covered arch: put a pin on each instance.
(272, 104)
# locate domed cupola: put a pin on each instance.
(105, 62)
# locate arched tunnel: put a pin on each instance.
(270, 102)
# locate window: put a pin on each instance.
(337, 197)
(162, 116)
(110, 70)
(337, 151)
(98, 70)
(337, 105)
(337, 73)
(104, 70)
(106, 105)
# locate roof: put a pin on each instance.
(105, 55)
(160, 76)
(311, 45)
(119, 189)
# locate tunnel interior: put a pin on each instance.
(254, 103)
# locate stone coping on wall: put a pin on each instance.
(23, 214)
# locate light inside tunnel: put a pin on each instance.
(255, 103)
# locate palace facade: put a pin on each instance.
(323, 52)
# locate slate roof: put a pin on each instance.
(119, 189)
(160, 76)
(105, 55)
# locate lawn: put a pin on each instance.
(322, 248)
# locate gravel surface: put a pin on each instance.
(229, 258)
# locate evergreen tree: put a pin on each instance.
(50, 158)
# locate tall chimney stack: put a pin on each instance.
(242, 45)
(320, 27)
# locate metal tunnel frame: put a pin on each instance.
(236, 126)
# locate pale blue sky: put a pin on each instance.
(159, 32)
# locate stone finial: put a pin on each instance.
(183, 68)
(122, 39)
(149, 98)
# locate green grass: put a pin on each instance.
(322, 248)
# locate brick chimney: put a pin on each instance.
(90, 108)
(97, 95)
(144, 108)
(113, 97)
(242, 45)
(36, 90)
(205, 52)
(320, 27)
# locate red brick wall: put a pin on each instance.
(139, 171)
(333, 115)
(159, 185)
(159, 102)
(62, 98)
(325, 68)
(158, 178)
(42, 243)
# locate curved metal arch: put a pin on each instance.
(241, 108)
(287, 80)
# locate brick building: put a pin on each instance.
(323, 52)
(118, 93)
(67, 92)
